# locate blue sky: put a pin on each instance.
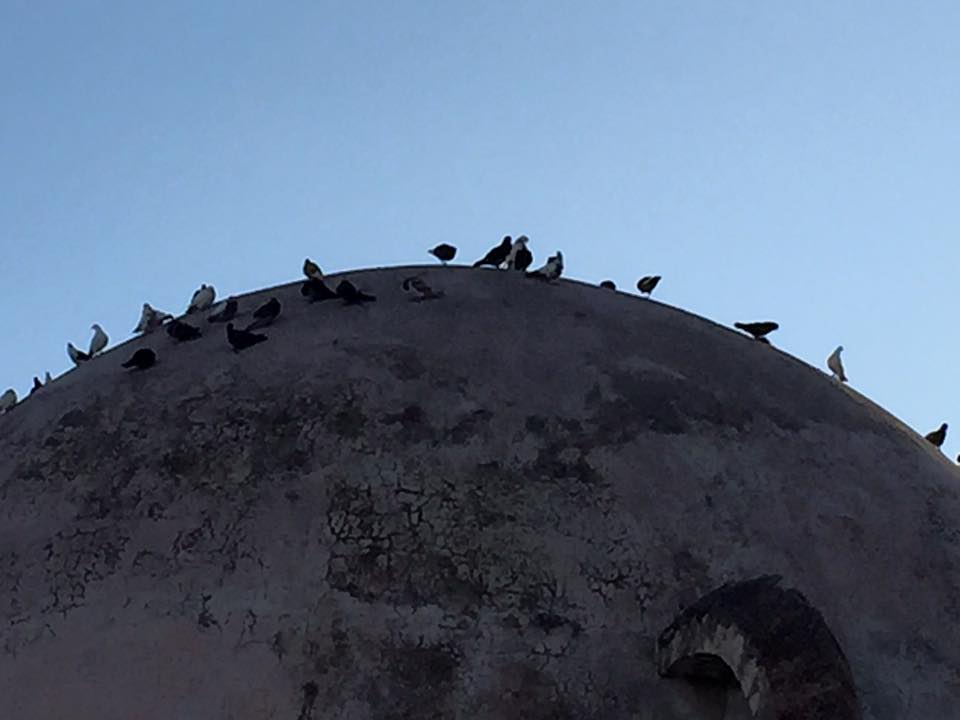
(790, 161)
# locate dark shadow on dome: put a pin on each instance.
(768, 642)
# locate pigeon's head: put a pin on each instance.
(943, 428)
(229, 327)
(839, 348)
(96, 327)
(521, 241)
(507, 241)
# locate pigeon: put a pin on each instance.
(151, 319)
(202, 299)
(443, 252)
(496, 256)
(836, 364)
(351, 296)
(608, 285)
(99, 340)
(181, 331)
(757, 329)
(37, 385)
(312, 270)
(77, 356)
(225, 315)
(47, 378)
(520, 258)
(8, 400)
(551, 270)
(937, 436)
(425, 292)
(142, 359)
(242, 339)
(265, 314)
(316, 290)
(647, 283)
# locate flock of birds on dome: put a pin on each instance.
(510, 255)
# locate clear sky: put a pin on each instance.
(789, 161)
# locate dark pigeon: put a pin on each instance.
(757, 329)
(937, 436)
(181, 331)
(647, 283)
(265, 314)
(351, 296)
(443, 252)
(608, 285)
(523, 259)
(496, 256)
(242, 339)
(316, 290)
(142, 359)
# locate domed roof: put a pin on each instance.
(486, 505)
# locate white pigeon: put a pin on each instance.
(8, 400)
(552, 269)
(202, 299)
(76, 355)
(836, 365)
(99, 340)
(520, 242)
(150, 319)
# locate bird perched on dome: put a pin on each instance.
(608, 285)
(520, 258)
(265, 314)
(835, 364)
(202, 298)
(759, 330)
(77, 356)
(937, 436)
(443, 252)
(647, 283)
(312, 270)
(351, 295)
(551, 270)
(37, 385)
(497, 255)
(8, 400)
(242, 339)
(416, 284)
(316, 290)
(142, 359)
(151, 319)
(183, 332)
(99, 340)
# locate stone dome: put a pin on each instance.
(520, 500)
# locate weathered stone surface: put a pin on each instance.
(484, 506)
(770, 643)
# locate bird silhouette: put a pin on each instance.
(351, 295)
(609, 285)
(242, 339)
(937, 436)
(497, 255)
(647, 283)
(228, 313)
(520, 258)
(835, 364)
(151, 319)
(265, 314)
(443, 252)
(416, 284)
(37, 385)
(316, 290)
(757, 329)
(182, 332)
(142, 359)
(312, 270)
(77, 356)
(99, 340)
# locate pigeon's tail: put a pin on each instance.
(129, 363)
(478, 263)
(740, 326)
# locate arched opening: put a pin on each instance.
(766, 649)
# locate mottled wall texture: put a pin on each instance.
(520, 500)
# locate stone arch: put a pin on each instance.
(772, 642)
